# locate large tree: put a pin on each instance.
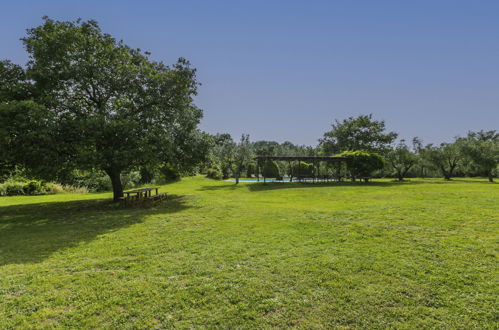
(357, 133)
(107, 106)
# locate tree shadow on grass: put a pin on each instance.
(30, 233)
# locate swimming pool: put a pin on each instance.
(266, 180)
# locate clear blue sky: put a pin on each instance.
(284, 70)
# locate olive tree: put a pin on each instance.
(482, 150)
(444, 158)
(243, 155)
(401, 159)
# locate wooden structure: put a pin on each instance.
(315, 160)
(142, 195)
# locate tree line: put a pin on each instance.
(86, 106)
(476, 154)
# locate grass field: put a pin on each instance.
(417, 254)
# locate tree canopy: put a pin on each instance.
(103, 104)
(357, 133)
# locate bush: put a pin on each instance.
(34, 187)
(362, 163)
(54, 188)
(13, 188)
(270, 169)
(214, 173)
(130, 179)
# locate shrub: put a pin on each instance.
(74, 189)
(34, 187)
(130, 179)
(54, 188)
(13, 188)
(270, 169)
(214, 173)
(362, 163)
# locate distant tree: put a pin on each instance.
(107, 106)
(224, 152)
(362, 164)
(243, 155)
(401, 159)
(360, 133)
(421, 163)
(482, 149)
(444, 158)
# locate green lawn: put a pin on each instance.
(407, 255)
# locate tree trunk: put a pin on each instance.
(491, 177)
(115, 177)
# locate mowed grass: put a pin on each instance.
(417, 254)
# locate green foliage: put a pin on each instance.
(243, 155)
(444, 158)
(13, 187)
(251, 169)
(303, 169)
(214, 173)
(482, 150)
(360, 133)
(224, 152)
(169, 173)
(401, 159)
(362, 163)
(270, 169)
(101, 105)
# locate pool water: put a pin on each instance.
(261, 180)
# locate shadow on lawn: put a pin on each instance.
(32, 232)
(260, 186)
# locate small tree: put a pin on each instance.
(401, 160)
(224, 152)
(444, 158)
(361, 164)
(242, 155)
(482, 149)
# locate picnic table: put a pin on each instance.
(142, 194)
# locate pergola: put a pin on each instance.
(315, 160)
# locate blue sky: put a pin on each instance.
(284, 70)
